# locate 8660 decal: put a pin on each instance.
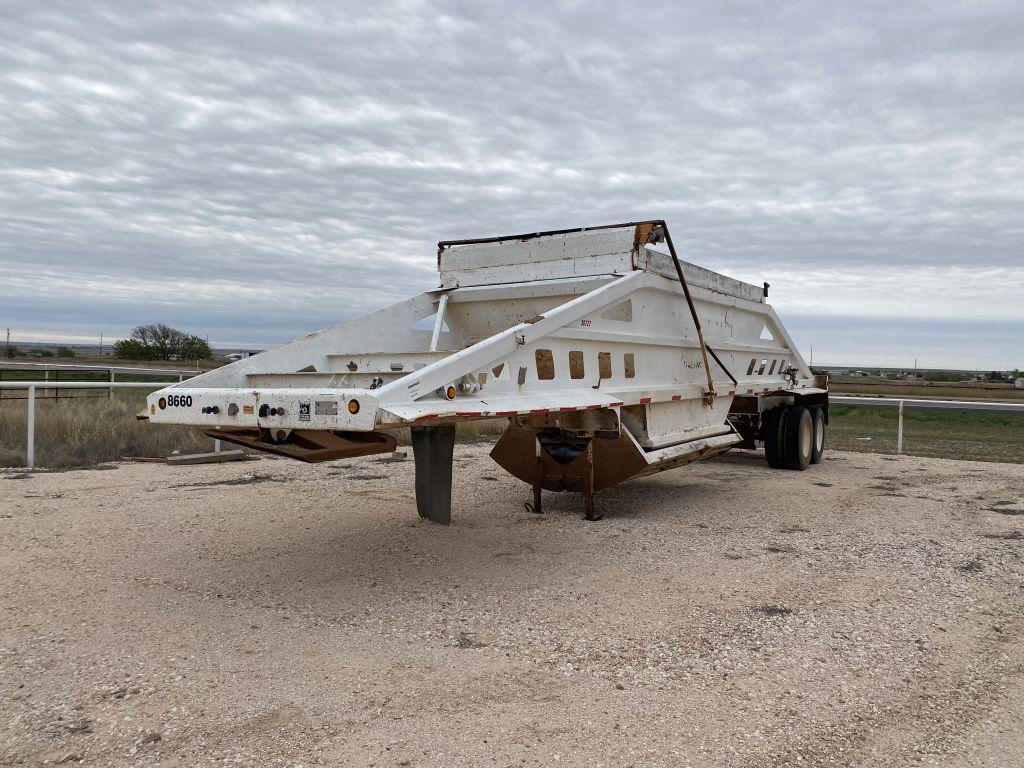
(176, 401)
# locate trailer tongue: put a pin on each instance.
(610, 358)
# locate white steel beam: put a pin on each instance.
(444, 372)
(442, 303)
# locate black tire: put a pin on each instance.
(818, 445)
(773, 432)
(799, 438)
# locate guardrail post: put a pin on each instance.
(899, 431)
(30, 446)
(110, 378)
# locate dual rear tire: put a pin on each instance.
(794, 436)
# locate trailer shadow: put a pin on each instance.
(357, 549)
(361, 559)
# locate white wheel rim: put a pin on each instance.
(819, 435)
(806, 436)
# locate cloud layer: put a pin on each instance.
(255, 171)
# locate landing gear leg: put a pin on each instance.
(537, 509)
(432, 449)
(588, 484)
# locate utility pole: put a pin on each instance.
(101, 343)
(812, 357)
(915, 369)
(8, 342)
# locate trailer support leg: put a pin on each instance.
(432, 449)
(537, 508)
(588, 484)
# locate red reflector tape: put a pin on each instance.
(645, 400)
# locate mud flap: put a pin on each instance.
(432, 449)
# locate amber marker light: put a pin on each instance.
(353, 406)
(450, 392)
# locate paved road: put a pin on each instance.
(994, 406)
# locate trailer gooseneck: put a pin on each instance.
(609, 358)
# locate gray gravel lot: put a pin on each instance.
(867, 612)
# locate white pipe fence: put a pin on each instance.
(16, 365)
(32, 386)
(954, 405)
(899, 431)
(925, 404)
(921, 404)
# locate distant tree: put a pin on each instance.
(994, 376)
(13, 352)
(941, 376)
(157, 341)
(46, 353)
(161, 340)
(130, 349)
(65, 352)
(195, 348)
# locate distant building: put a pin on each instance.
(1018, 383)
(240, 355)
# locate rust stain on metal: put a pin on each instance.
(310, 445)
(545, 364)
(629, 362)
(643, 235)
(576, 369)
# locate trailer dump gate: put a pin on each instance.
(609, 357)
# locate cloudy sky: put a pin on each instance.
(253, 171)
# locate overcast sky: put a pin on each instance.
(254, 171)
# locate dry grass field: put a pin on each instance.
(938, 434)
(79, 432)
(849, 385)
(85, 431)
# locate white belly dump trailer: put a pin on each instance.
(609, 358)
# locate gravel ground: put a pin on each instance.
(867, 612)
